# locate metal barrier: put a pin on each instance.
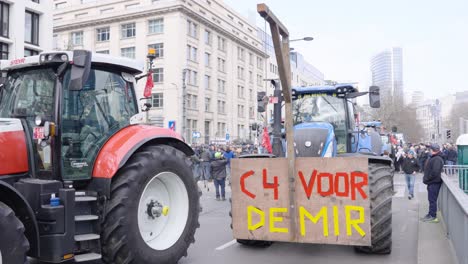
(460, 171)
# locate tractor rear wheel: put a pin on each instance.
(381, 192)
(14, 244)
(153, 211)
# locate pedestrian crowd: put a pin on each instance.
(212, 163)
(429, 159)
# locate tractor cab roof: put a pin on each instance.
(372, 124)
(337, 90)
(128, 65)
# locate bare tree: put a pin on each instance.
(459, 110)
(393, 113)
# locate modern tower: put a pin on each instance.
(387, 73)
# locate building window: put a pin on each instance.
(251, 59)
(207, 82)
(221, 86)
(35, 1)
(259, 63)
(208, 37)
(159, 47)
(156, 26)
(240, 73)
(77, 38)
(30, 52)
(240, 111)
(128, 30)
(240, 91)
(128, 52)
(31, 28)
(221, 65)
(157, 100)
(5, 19)
(240, 54)
(103, 34)
(192, 53)
(3, 51)
(207, 104)
(251, 77)
(221, 44)
(221, 107)
(158, 75)
(251, 112)
(251, 95)
(207, 59)
(192, 101)
(103, 51)
(192, 77)
(192, 29)
(259, 80)
(221, 129)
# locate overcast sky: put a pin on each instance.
(432, 33)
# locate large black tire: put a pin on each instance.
(14, 244)
(122, 241)
(381, 192)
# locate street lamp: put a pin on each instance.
(302, 39)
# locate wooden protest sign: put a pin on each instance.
(331, 198)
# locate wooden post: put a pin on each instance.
(280, 36)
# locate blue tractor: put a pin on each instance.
(324, 126)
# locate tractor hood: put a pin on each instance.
(315, 139)
(13, 151)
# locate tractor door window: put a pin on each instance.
(90, 117)
(328, 109)
(27, 94)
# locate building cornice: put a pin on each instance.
(147, 13)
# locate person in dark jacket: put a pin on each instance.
(218, 172)
(410, 166)
(433, 180)
(423, 157)
(205, 158)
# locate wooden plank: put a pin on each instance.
(341, 210)
(266, 13)
(264, 198)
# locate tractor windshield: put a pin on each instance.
(323, 108)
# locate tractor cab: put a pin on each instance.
(68, 104)
(324, 119)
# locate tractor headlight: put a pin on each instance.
(329, 151)
(53, 57)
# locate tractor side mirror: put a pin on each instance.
(80, 69)
(374, 97)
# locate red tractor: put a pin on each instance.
(81, 178)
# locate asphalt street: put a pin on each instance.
(215, 244)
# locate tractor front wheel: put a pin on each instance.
(153, 211)
(14, 244)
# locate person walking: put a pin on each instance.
(424, 156)
(205, 158)
(228, 155)
(218, 171)
(451, 160)
(399, 158)
(433, 180)
(410, 166)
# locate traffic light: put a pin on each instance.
(262, 101)
(448, 134)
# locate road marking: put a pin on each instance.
(228, 244)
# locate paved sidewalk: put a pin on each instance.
(433, 245)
